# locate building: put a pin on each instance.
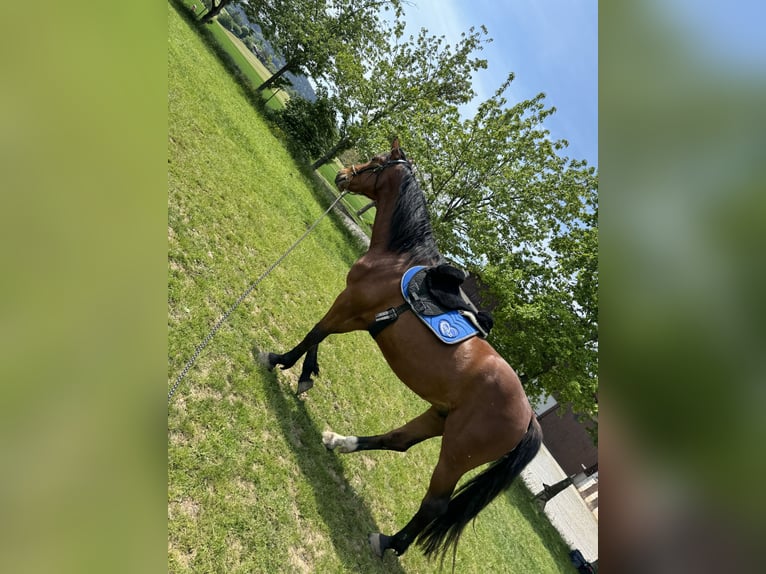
(570, 443)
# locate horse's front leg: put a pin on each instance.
(310, 368)
(309, 347)
(287, 360)
(341, 318)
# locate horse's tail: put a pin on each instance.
(471, 498)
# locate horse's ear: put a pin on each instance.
(395, 151)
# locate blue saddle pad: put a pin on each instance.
(450, 327)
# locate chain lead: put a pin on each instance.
(247, 292)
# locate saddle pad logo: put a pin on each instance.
(447, 330)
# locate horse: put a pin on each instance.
(477, 403)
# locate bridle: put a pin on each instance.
(379, 167)
(376, 169)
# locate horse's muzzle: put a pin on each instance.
(342, 180)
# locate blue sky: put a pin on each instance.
(550, 45)
(723, 33)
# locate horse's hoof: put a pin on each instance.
(328, 439)
(374, 539)
(271, 360)
(334, 441)
(304, 386)
(378, 543)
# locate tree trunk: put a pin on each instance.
(274, 77)
(273, 93)
(214, 11)
(342, 145)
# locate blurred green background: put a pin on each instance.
(682, 206)
(83, 140)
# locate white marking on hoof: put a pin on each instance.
(263, 359)
(333, 441)
(374, 539)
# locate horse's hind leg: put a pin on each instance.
(425, 426)
(468, 441)
(434, 505)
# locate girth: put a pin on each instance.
(385, 318)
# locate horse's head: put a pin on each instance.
(381, 173)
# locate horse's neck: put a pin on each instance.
(381, 238)
(381, 227)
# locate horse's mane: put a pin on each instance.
(411, 230)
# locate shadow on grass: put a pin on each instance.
(347, 516)
(522, 499)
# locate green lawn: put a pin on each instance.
(250, 486)
(256, 73)
(242, 57)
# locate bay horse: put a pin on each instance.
(478, 405)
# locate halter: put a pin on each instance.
(378, 168)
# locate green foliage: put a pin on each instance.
(226, 21)
(312, 35)
(240, 19)
(401, 78)
(244, 32)
(309, 125)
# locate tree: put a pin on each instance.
(226, 21)
(310, 126)
(410, 77)
(309, 34)
(215, 9)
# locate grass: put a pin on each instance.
(262, 72)
(250, 486)
(255, 73)
(250, 67)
